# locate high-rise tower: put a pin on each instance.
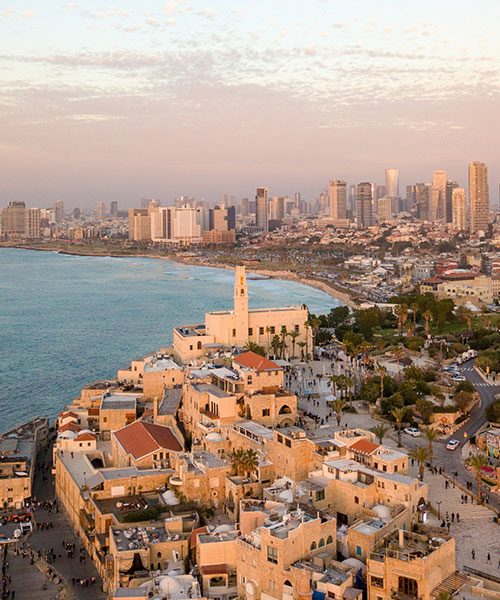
(478, 196)
(262, 209)
(337, 192)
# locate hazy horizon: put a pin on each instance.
(102, 103)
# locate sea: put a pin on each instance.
(68, 320)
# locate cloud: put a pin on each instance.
(27, 14)
(176, 7)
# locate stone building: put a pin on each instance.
(237, 327)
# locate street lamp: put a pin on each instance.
(439, 502)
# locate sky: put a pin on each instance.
(103, 101)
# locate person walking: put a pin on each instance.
(473, 554)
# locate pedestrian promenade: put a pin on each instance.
(475, 529)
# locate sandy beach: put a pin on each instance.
(330, 289)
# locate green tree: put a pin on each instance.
(237, 460)
(250, 461)
(425, 409)
(399, 415)
(276, 344)
(302, 346)
(421, 455)
(430, 435)
(477, 462)
(251, 346)
(379, 431)
(293, 335)
(338, 406)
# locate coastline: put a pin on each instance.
(342, 295)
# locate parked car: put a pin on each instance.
(458, 377)
(413, 431)
(452, 445)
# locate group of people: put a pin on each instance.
(7, 593)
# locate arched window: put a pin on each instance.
(285, 410)
(329, 540)
(288, 583)
(321, 543)
(356, 500)
(313, 546)
(199, 345)
(158, 555)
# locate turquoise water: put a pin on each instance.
(67, 320)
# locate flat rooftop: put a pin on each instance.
(171, 401)
(119, 402)
(210, 388)
(161, 364)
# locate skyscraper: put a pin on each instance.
(438, 199)
(423, 192)
(384, 209)
(392, 183)
(337, 194)
(478, 197)
(262, 209)
(100, 210)
(114, 208)
(448, 205)
(459, 209)
(364, 212)
(59, 210)
(32, 223)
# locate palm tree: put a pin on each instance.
(421, 454)
(251, 346)
(467, 315)
(283, 347)
(402, 315)
(427, 316)
(237, 461)
(477, 462)
(275, 344)
(294, 335)
(414, 309)
(379, 431)
(399, 354)
(430, 435)
(334, 380)
(381, 371)
(338, 406)
(349, 382)
(399, 415)
(250, 461)
(302, 345)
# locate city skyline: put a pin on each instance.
(114, 104)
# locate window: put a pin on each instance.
(272, 555)
(375, 466)
(313, 546)
(199, 345)
(283, 329)
(288, 443)
(329, 540)
(408, 586)
(191, 347)
(280, 438)
(356, 500)
(395, 468)
(266, 412)
(272, 329)
(297, 328)
(80, 444)
(321, 543)
(377, 582)
(359, 551)
(234, 332)
(250, 331)
(105, 419)
(158, 555)
(320, 495)
(261, 330)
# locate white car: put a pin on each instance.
(452, 445)
(413, 431)
(458, 377)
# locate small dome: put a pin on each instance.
(354, 562)
(286, 496)
(224, 528)
(171, 586)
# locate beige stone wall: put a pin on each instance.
(154, 382)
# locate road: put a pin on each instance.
(451, 461)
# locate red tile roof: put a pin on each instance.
(254, 361)
(193, 538)
(68, 413)
(69, 427)
(364, 447)
(85, 437)
(140, 439)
